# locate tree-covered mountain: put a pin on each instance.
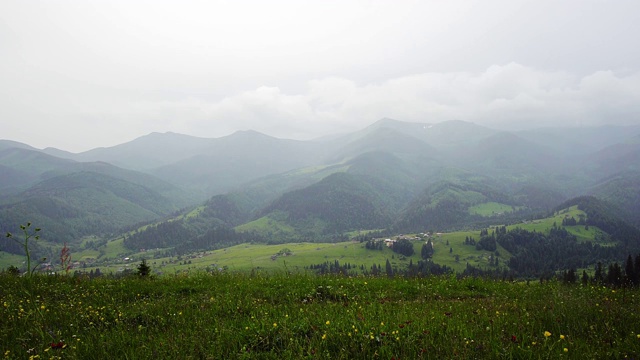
(83, 203)
(622, 189)
(445, 205)
(340, 202)
(392, 175)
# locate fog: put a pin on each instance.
(82, 74)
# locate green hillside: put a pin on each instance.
(341, 201)
(78, 204)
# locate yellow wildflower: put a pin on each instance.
(547, 334)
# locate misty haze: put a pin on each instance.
(287, 180)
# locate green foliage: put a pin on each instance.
(28, 234)
(426, 251)
(299, 316)
(403, 246)
(445, 205)
(74, 205)
(341, 201)
(144, 270)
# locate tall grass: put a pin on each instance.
(227, 316)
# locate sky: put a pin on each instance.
(81, 74)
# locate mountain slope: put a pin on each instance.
(445, 205)
(237, 159)
(74, 205)
(338, 203)
(149, 151)
(622, 189)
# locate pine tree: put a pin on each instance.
(585, 278)
(143, 269)
(630, 276)
(389, 269)
(598, 277)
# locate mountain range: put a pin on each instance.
(392, 174)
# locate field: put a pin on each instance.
(492, 209)
(245, 257)
(449, 250)
(289, 316)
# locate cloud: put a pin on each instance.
(509, 96)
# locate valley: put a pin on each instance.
(232, 203)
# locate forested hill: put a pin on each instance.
(78, 204)
(340, 201)
(606, 216)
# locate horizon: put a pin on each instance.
(330, 135)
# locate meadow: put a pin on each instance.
(256, 315)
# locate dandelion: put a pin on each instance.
(547, 334)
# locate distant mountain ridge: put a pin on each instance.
(386, 175)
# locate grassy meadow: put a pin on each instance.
(298, 316)
(492, 209)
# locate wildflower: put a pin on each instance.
(58, 345)
(324, 336)
(547, 334)
(561, 337)
(565, 350)
(514, 338)
(328, 322)
(275, 325)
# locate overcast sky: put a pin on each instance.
(82, 74)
